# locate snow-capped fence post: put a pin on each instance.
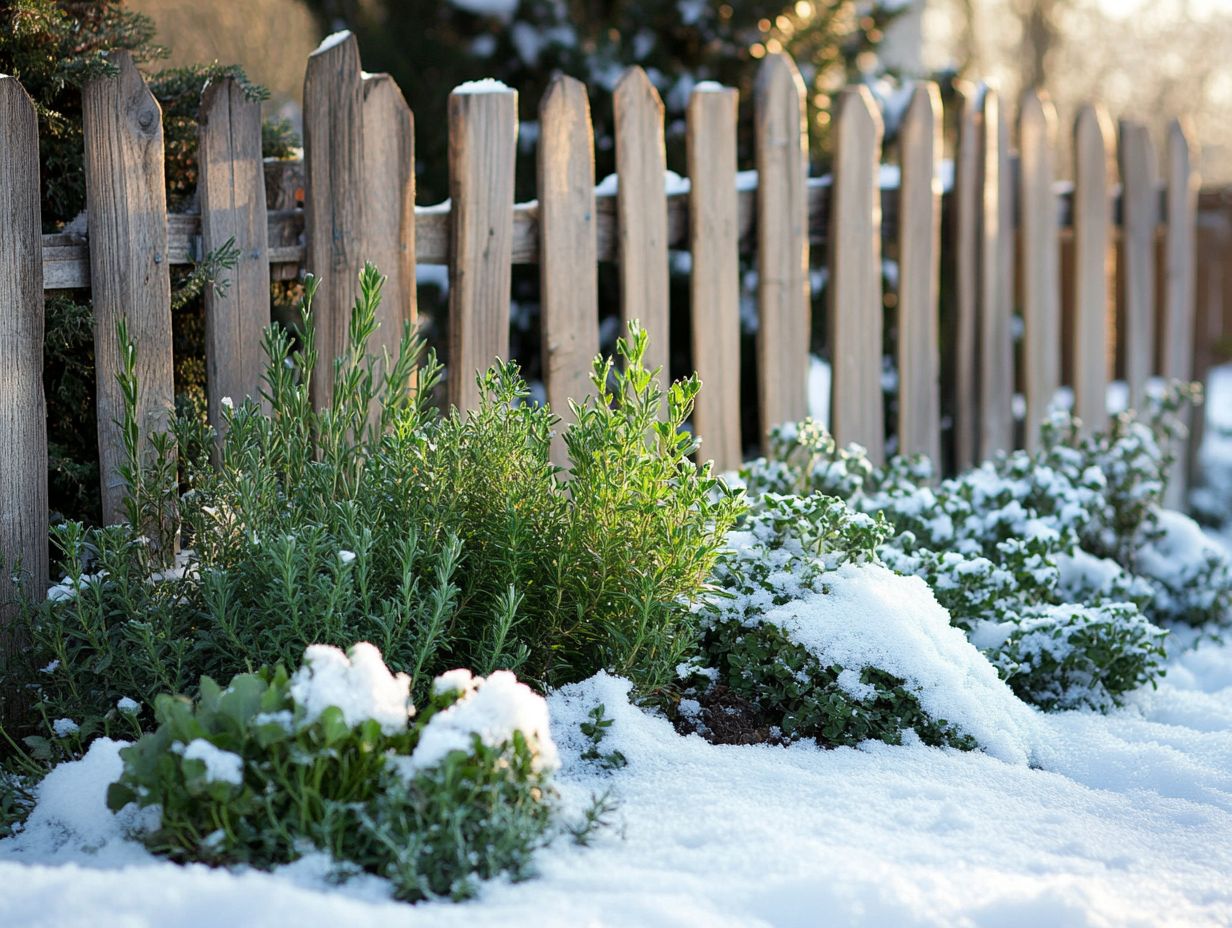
(231, 195)
(130, 268)
(23, 414)
(995, 339)
(1093, 174)
(964, 244)
(783, 297)
(389, 208)
(855, 300)
(1177, 335)
(715, 282)
(483, 131)
(919, 253)
(641, 212)
(568, 247)
(333, 195)
(1136, 258)
(1041, 295)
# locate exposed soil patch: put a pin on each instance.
(722, 717)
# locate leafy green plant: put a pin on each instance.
(274, 766)
(786, 551)
(1060, 564)
(445, 539)
(595, 729)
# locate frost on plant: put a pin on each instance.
(1061, 564)
(332, 760)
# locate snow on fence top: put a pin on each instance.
(772, 212)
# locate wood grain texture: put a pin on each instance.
(919, 270)
(231, 194)
(334, 197)
(641, 212)
(996, 344)
(1139, 218)
(483, 131)
(962, 358)
(389, 206)
(783, 297)
(855, 300)
(1179, 328)
(129, 266)
(568, 271)
(1041, 294)
(715, 282)
(1092, 246)
(23, 412)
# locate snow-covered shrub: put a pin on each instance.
(829, 644)
(1059, 551)
(445, 539)
(335, 759)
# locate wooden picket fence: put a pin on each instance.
(1005, 212)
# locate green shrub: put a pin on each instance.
(787, 552)
(1060, 563)
(275, 766)
(446, 540)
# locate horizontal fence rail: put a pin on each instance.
(1117, 271)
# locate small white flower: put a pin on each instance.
(228, 403)
(52, 667)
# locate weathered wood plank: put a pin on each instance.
(568, 272)
(962, 359)
(855, 300)
(129, 267)
(1177, 334)
(715, 283)
(23, 412)
(919, 269)
(334, 196)
(1041, 294)
(389, 207)
(1139, 218)
(783, 296)
(231, 192)
(641, 238)
(1092, 247)
(483, 131)
(996, 354)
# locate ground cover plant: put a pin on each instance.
(335, 759)
(1061, 564)
(446, 540)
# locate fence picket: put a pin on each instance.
(996, 354)
(715, 281)
(783, 297)
(333, 195)
(855, 301)
(23, 413)
(389, 206)
(569, 291)
(231, 194)
(919, 253)
(1177, 334)
(1092, 240)
(129, 269)
(1041, 294)
(483, 131)
(641, 209)
(961, 357)
(1139, 217)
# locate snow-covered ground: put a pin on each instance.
(1123, 820)
(1128, 823)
